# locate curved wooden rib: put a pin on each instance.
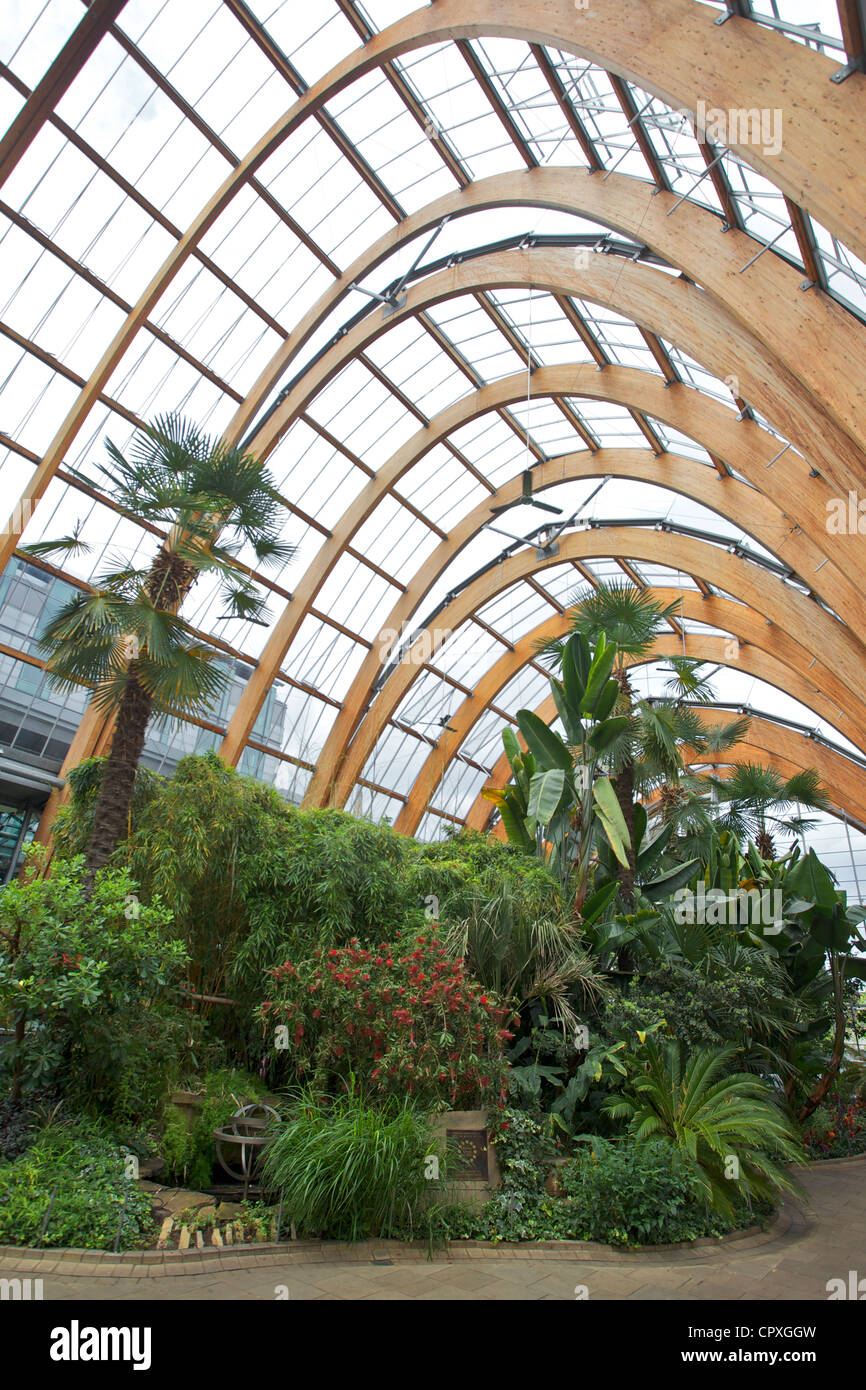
(815, 339)
(818, 165)
(662, 303)
(757, 660)
(743, 445)
(765, 593)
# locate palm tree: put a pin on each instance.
(758, 799)
(126, 639)
(523, 955)
(646, 755)
(710, 1117)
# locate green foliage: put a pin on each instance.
(348, 1169)
(403, 1019)
(690, 1005)
(92, 984)
(81, 1175)
(322, 878)
(128, 628)
(618, 1194)
(453, 875)
(711, 1118)
(190, 1152)
(523, 955)
(632, 1193)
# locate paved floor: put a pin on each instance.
(793, 1262)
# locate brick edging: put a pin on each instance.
(164, 1263)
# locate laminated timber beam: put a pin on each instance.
(766, 523)
(686, 315)
(744, 446)
(81, 44)
(765, 593)
(766, 299)
(757, 660)
(765, 741)
(818, 165)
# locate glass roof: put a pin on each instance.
(172, 99)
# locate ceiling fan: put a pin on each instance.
(526, 499)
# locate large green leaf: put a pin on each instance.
(667, 884)
(810, 880)
(569, 715)
(611, 818)
(596, 903)
(545, 794)
(606, 701)
(547, 746)
(576, 661)
(515, 827)
(599, 675)
(830, 929)
(602, 735)
(654, 850)
(512, 747)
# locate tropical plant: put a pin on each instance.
(403, 1019)
(759, 802)
(524, 956)
(829, 927)
(91, 987)
(557, 802)
(726, 1125)
(349, 1169)
(643, 754)
(125, 639)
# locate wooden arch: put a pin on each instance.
(756, 658)
(662, 303)
(754, 586)
(818, 166)
(766, 302)
(743, 445)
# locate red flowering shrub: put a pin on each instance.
(837, 1129)
(410, 1024)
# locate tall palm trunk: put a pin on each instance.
(169, 581)
(118, 776)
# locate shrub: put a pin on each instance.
(91, 985)
(699, 1011)
(837, 1129)
(726, 1126)
(635, 1194)
(347, 1169)
(402, 1022)
(81, 1176)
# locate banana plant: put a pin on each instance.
(559, 801)
(831, 928)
